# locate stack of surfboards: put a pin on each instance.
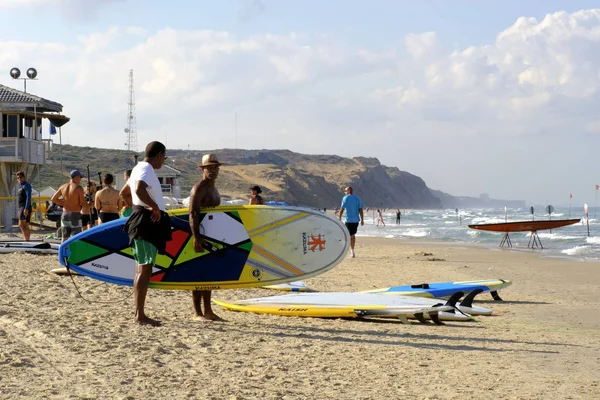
(398, 301)
(350, 305)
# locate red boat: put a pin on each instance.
(525, 226)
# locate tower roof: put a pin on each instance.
(16, 100)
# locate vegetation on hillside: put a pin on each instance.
(298, 179)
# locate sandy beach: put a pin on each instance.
(542, 342)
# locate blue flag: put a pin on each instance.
(52, 129)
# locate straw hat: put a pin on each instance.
(209, 159)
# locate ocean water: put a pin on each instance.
(570, 241)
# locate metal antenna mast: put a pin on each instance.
(131, 130)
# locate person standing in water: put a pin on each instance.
(380, 218)
(398, 216)
(204, 195)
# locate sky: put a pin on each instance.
(496, 97)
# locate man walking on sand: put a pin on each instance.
(354, 215)
(24, 200)
(148, 227)
(204, 195)
(70, 197)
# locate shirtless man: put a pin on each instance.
(125, 194)
(70, 197)
(203, 195)
(108, 201)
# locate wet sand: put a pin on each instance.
(542, 342)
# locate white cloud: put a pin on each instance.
(421, 45)
(538, 81)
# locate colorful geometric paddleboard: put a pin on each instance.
(250, 246)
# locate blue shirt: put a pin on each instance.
(24, 195)
(352, 204)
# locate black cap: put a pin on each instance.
(257, 188)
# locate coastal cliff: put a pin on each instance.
(298, 179)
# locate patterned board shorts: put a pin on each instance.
(70, 223)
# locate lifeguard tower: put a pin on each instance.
(21, 145)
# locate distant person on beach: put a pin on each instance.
(256, 198)
(70, 196)
(126, 196)
(108, 201)
(398, 216)
(148, 227)
(24, 203)
(354, 215)
(379, 218)
(204, 195)
(89, 215)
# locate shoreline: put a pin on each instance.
(456, 243)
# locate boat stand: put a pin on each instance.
(534, 240)
(506, 240)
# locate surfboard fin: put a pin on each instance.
(435, 317)
(421, 318)
(495, 295)
(454, 299)
(468, 300)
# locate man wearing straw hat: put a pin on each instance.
(204, 195)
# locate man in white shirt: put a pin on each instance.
(148, 226)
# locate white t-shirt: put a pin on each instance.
(143, 171)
